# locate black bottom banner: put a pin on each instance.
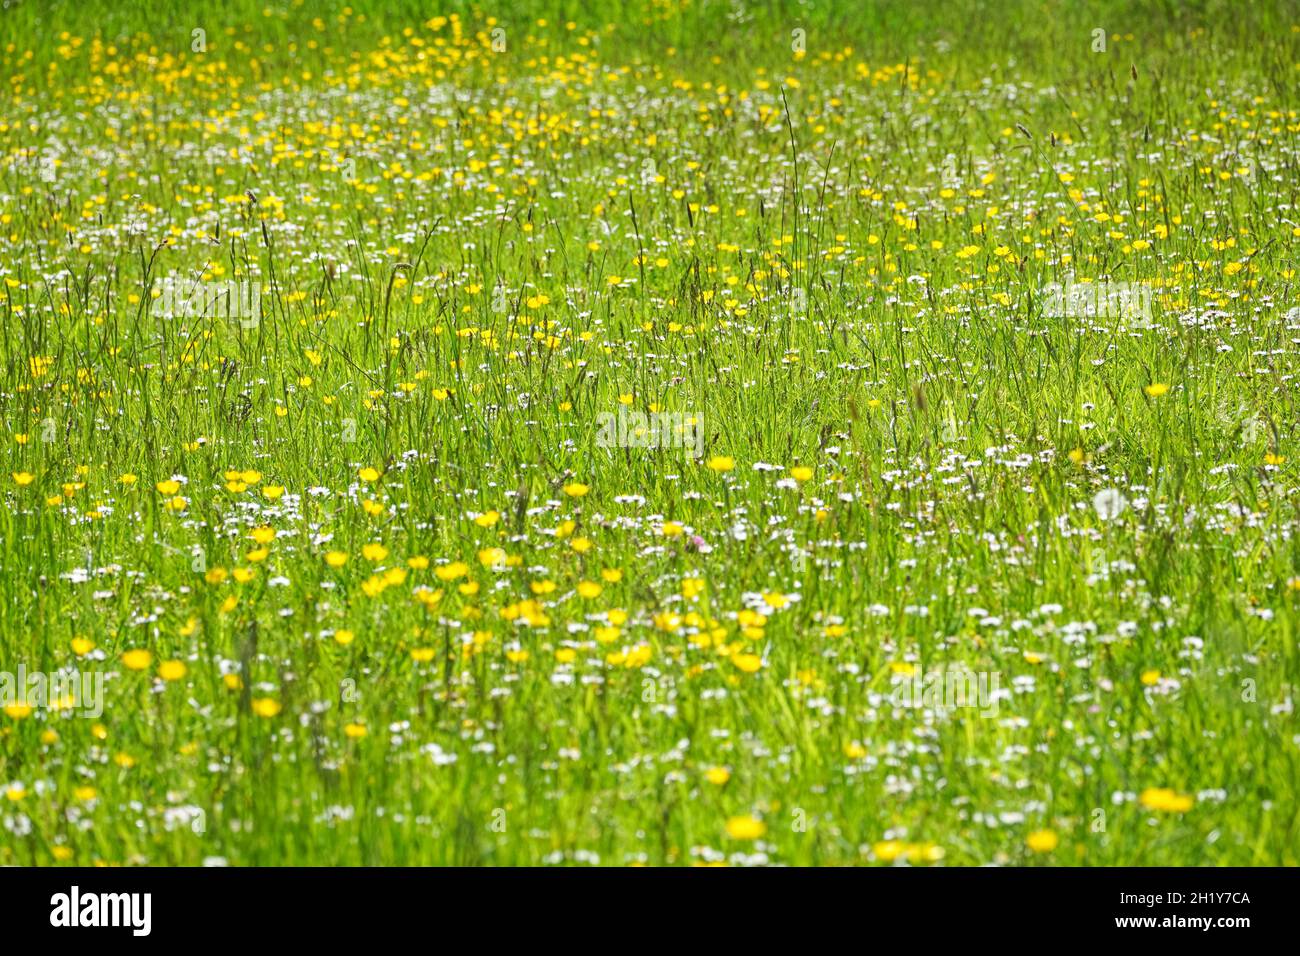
(338, 906)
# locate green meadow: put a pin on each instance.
(655, 433)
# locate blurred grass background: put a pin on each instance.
(1031, 32)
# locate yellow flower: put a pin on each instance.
(1151, 677)
(801, 473)
(452, 571)
(1042, 841)
(745, 828)
(336, 559)
(355, 731)
(1274, 459)
(168, 487)
(576, 489)
(265, 707)
(1166, 800)
(721, 463)
(137, 659)
(749, 663)
(343, 637)
(369, 474)
(487, 519)
(171, 670)
(667, 621)
(671, 529)
(18, 710)
(589, 589)
(374, 551)
(263, 535)
(889, 850)
(23, 478)
(427, 596)
(1156, 389)
(272, 492)
(717, 775)
(82, 646)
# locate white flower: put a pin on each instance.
(1109, 504)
